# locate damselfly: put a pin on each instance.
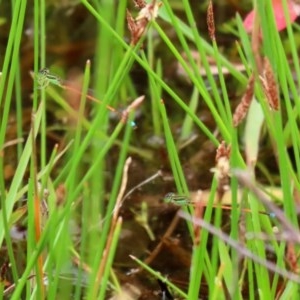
(180, 200)
(44, 78)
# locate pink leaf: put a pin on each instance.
(294, 12)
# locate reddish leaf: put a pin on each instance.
(294, 12)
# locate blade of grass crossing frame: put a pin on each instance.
(41, 50)
(10, 47)
(19, 110)
(172, 150)
(19, 174)
(10, 59)
(10, 54)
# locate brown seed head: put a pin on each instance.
(222, 168)
(269, 85)
(210, 21)
(138, 25)
(140, 3)
(242, 109)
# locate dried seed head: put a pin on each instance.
(210, 21)
(149, 12)
(269, 85)
(140, 3)
(242, 109)
(138, 25)
(130, 22)
(134, 105)
(223, 151)
(222, 167)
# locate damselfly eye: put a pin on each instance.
(169, 197)
(44, 71)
